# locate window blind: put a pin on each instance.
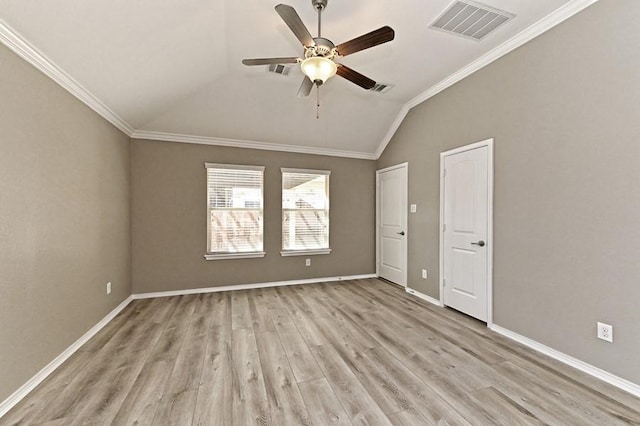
(305, 210)
(235, 206)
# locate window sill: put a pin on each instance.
(304, 252)
(223, 256)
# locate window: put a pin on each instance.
(234, 211)
(305, 212)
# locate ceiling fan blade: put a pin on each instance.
(355, 77)
(292, 19)
(269, 61)
(374, 38)
(305, 87)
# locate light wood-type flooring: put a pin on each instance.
(353, 352)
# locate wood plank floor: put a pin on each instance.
(348, 353)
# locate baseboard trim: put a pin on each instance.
(596, 372)
(25, 389)
(424, 297)
(249, 286)
(40, 376)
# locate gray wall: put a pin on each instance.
(64, 220)
(170, 220)
(564, 110)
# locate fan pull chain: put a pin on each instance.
(318, 103)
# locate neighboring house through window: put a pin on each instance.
(305, 212)
(234, 211)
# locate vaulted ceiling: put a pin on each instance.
(172, 69)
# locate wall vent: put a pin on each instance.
(381, 87)
(472, 20)
(279, 69)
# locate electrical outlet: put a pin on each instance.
(424, 274)
(109, 287)
(414, 208)
(605, 332)
(307, 262)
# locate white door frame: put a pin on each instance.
(378, 172)
(489, 144)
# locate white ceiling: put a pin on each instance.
(174, 67)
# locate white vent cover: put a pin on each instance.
(381, 88)
(278, 69)
(471, 19)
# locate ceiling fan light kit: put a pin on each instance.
(318, 64)
(318, 69)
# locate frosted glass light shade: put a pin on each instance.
(318, 68)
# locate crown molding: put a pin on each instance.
(404, 110)
(543, 25)
(32, 55)
(236, 143)
(26, 51)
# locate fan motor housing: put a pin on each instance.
(323, 46)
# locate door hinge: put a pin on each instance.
(444, 172)
(444, 227)
(444, 282)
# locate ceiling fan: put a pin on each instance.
(318, 62)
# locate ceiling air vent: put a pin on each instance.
(471, 19)
(381, 88)
(279, 69)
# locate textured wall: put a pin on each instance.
(64, 220)
(170, 218)
(564, 111)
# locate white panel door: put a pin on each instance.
(392, 224)
(466, 214)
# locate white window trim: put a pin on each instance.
(305, 252)
(311, 252)
(307, 171)
(233, 166)
(245, 255)
(223, 256)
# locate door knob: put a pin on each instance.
(402, 233)
(479, 243)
